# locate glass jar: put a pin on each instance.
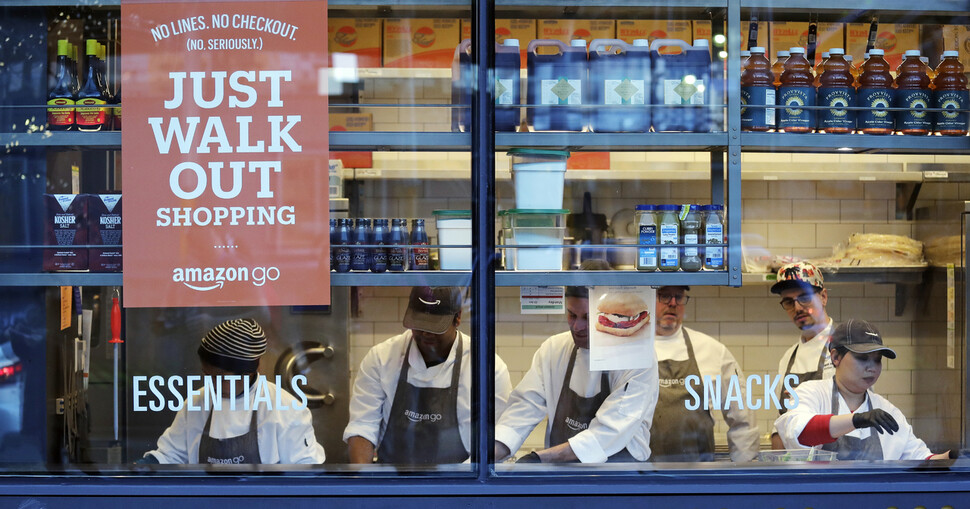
(713, 234)
(646, 220)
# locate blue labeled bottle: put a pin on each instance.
(913, 96)
(757, 89)
(950, 93)
(379, 237)
(619, 77)
(343, 241)
(875, 93)
(360, 257)
(420, 252)
(681, 86)
(555, 86)
(797, 89)
(836, 92)
(333, 242)
(397, 255)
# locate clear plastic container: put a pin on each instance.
(537, 227)
(669, 225)
(713, 234)
(785, 455)
(454, 229)
(538, 176)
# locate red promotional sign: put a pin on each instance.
(225, 153)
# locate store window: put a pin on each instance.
(681, 233)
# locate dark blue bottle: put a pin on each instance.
(397, 257)
(360, 257)
(334, 240)
(420, 256)
(379, 237)
(344, 234)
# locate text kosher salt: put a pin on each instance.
(241, 89)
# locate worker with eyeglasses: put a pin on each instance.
(803, 297)
(680, 432)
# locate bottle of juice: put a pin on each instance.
(913, 94)
(757, 89)
(797, 89)
(951, 94)
(779, 66)
(852, 70)
(836, 91)
(875, 92)
(745, 57)
(62, 94)
(929, 70)
(820, 67)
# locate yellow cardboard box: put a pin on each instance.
(894, 39)
(353, 122)
(522, 29)
(420, 42)
(567, 29)
(788, 34)
(702, 30)
(630, 29)
(957, 38)
(360, 36)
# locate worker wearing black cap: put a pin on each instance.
(843, 414)
(411, 401)
(593, 416)
(241, 430)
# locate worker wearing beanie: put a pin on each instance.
(238, 433)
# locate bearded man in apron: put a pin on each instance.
(803, 297)
(245, 429)
(593, 416)
(843, 414)
(412, 395)
(679, 433)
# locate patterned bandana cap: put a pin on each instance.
(860, 336)
(798, 275)
(234, 345)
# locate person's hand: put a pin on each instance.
(148, 459)
(532, 457)
(878, 419)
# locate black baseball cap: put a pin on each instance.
(432, 308)
(860, 336)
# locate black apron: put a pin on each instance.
(243, 449)
(423, 425)
(802, 377)
(574, 413)
(852, 448)
(679, 434)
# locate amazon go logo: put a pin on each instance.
(423, 37)
(346, 36)
(204, 279)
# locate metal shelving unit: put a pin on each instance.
(103, 140)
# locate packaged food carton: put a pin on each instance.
(420, 42)
(566, 30)
(629, 29)
(788, 34)
(522, 29)
(358, 36)
(65, 228)
(104, 229)
(894, 39)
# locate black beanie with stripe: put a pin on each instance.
(234, 345)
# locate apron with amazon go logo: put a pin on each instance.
(241, 450)
(803, 377)
(679, 434)
(423, 425)
(574, 413)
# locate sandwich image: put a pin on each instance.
(621, 314)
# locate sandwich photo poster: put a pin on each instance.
(621, 331)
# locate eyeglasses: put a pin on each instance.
(678, 300)
(804, 300)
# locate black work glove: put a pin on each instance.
(532, 457)
(959, 453)
(147, 460)
(878, 419)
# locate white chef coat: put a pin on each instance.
(714, 359)
(815, 398)
(285, 435)
(808, 352)
(623, 421)
(376, 384)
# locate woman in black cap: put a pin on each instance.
(842, 414)
(254, 423)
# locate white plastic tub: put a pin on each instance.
(539, 258)
(454, 229)
(538, 176)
